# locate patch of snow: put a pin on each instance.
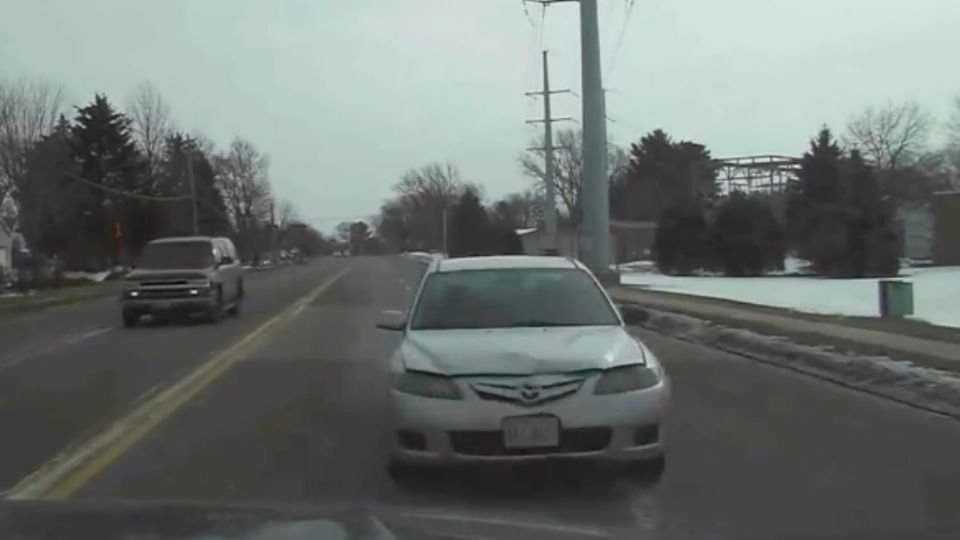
(936, 292)
(92, 276)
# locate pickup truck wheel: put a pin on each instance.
(214, 314)
(130, 319)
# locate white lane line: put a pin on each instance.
(65, 342)
(93, 333)
(299, 309)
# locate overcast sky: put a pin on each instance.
(345, 95)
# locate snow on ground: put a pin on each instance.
(936, 292)
(902, 380)
(92, 276)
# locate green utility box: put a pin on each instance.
(896, 298)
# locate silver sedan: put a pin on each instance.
(521, 358)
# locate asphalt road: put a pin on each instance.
(755, 451)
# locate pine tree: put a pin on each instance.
(746, 237)
(470, 229)
(212, 218)
(837, 218)
(106, 155)
(680, 245)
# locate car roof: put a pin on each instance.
(504, 262)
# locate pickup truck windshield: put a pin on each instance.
(165, 255)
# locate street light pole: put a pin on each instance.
(193, 193)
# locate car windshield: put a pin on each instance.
(163, 255)
(506, 298)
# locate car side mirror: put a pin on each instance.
(634, 315)
(392, 320)
(225, 260)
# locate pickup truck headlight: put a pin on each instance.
(427, 385)
(626, 379)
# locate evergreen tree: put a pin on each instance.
(837, 217)
(746, 237)
(661, 174)
(681, 242)
(106, 155)
(469, 226)
(212, 218)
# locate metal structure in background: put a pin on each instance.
(769, 174)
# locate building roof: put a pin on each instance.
(642, 225)
(182, 239)
(503, 262)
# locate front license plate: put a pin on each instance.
(531, 431)
(164, 306)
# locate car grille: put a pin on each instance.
(161, 294)
(490, 443)
(530, 391)
(164, 283)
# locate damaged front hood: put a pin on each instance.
(519, 351)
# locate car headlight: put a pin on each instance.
(131, 293)
(626, 379)
(427, 385)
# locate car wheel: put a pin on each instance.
(402, 473)
(130, 319)
(650, 470)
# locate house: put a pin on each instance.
(629, 240)
(946, 228)
(6, 244)
(916, 226)
(12, 243)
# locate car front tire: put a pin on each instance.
(648, 471)
(215, 312)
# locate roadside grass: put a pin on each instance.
(75, 292)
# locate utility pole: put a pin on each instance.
(550, 193)
(443, 231)
(595, 191)
(273, 235)
(193, 193)
(596, 207)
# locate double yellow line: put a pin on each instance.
(69, 471)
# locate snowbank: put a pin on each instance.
(903, 381)
(936, 292)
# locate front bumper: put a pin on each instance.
(168, 305)
(615, 428)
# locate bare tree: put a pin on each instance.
(424, 197)
(286, 213)
(150, 120)
(568, 168)
(242, 179)
(28, 111)
(433, 183)
(891, 136)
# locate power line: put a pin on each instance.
(620, 37)
(123, 193)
